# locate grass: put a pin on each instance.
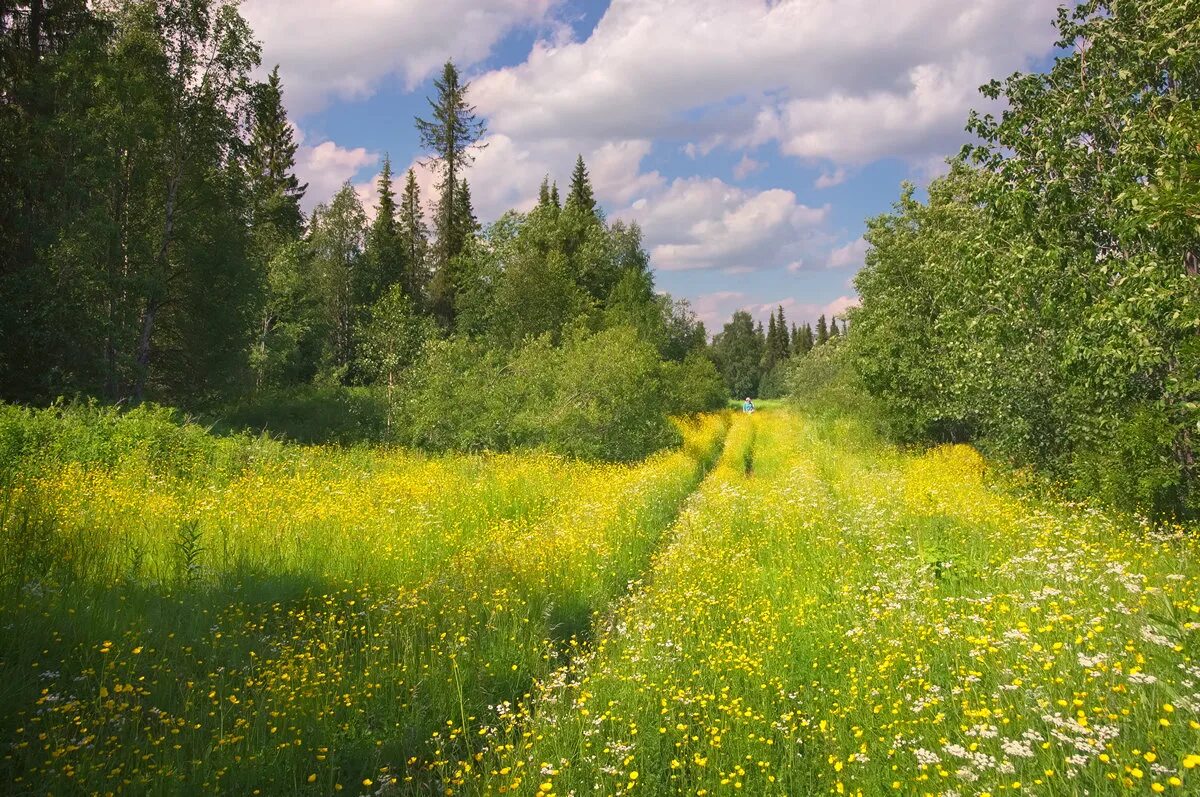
(294, 618)
(853, 620)
(817, 613)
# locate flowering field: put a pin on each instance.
(299, 619)
(816, 614)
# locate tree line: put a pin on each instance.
(154, 244)
(1045, 299)
(753, 362)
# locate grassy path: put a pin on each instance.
(848, 619)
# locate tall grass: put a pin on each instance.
(844, 618)
(189, 613)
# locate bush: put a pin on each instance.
(598, 396)
(827, 381)
(1134, 467)
(457, 398)
(610, 401)
(158, 439)
(311, 414)
(693, 385)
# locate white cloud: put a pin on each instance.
(828, 79)
(849, 255)
(830, 179)
(925, 116)
(698, 223)
(344, 49)
(715, 309)
(326, 166)
(746, 167)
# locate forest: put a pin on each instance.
(155, 249)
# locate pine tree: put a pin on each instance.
(271, 160)
(385, 254)
(782, 343)
(414, 240)
(771, 349)
(581, 194)
(449, 137)
(822, 330)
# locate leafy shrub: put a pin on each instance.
(311, 414)
(610, 401)
(149, 436)
(598, 396)
(457, 398)
(693, 385)
(1134, 466)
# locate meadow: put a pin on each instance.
(783, 605)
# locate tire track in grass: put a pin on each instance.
(555, 622)
(541, 714)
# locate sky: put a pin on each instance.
(750, 139)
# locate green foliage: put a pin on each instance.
(1134, 466)
(610, 401)
(598, 396)
(738, 351)
(1044, 299)
(312, 414)
(157, 438)
(340, 281)
(693, 384)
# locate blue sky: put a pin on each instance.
(750, 139)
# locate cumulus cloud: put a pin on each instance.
(830, 179)
(343, 50)
(326, 166)
(849, 255)
(827, 79)
(746, 167)
(715, 309)
(698, 223)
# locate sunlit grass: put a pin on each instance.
(818, 613)
(852, 620)
(313, 619)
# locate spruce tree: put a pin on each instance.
(581, 194)
(544, 193)
(414, 240)
(276, 224)
(449, 136)
(465, 223)
(822, 330)
(554, 195)
(771, 347)
(833, 327)
(385, 264)
(782, 343)
(271, 161)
